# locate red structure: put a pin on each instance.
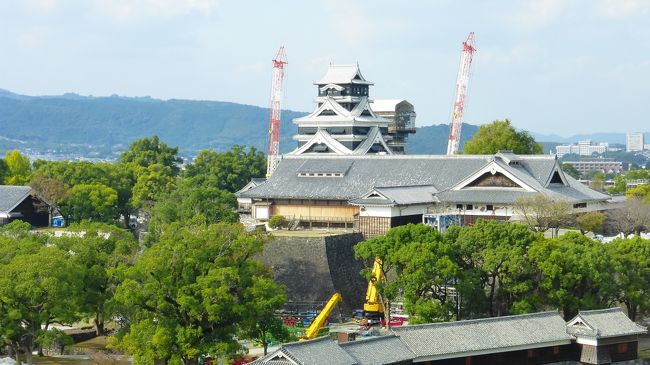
(276, 109)
(469, 47)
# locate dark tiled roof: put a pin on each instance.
(10, 196)
(605, 323)
(320, 351)
(452, 339)
(378, 350)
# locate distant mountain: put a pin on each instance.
(101, 127)
(51, 121)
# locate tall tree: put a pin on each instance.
(149, 151)
(500, 135)
(152, 184)
(192, 292)
(574, 273)
(229, 170)
(632, 280)
(51, 190)
(632, 217)
(19, 168)
(93, 202)
(591, 222)
(101, 252)
(4, 171)
(498, 252)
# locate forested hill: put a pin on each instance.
(104, 125)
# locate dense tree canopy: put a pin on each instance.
(229, 171)
(501, 135)
(192, 292)
(149, 151)
(18, 168)
(93, 202)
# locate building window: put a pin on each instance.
(489, 207)
(622, 348)
(469, 207)
(580, 205)
(459, 206)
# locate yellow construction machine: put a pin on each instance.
(319, 321)
(373, 307)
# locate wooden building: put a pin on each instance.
(20, 203)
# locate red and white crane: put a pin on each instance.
(276, 109)
(469, 47)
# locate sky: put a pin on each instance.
(550, 66)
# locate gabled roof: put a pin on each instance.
(479, 336)
(374, 137)
(340, 114)
(322, 137)
(398, 195)
(603, 323)
(11, 196)
(251, 184)
(320, 351)
(367, 172)
(378, 350)
(343, 74)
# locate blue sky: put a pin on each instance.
(551, 66)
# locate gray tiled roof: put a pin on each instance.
(378, 350)
(10, 196)
(365, 173)
(607, 323)
(452, 339)
(320, 351)
(411, 179)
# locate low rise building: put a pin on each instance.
(20, 203)
(605, 165)
(634, 142)
(582, 148)
(375, 193)
(592, 337)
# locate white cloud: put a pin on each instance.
(620, 9)
(133, 10)
(539, 13)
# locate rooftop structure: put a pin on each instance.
(344, 122)
(536, 338)
(19, 203)
(402, 121)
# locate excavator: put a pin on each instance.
(321, 318)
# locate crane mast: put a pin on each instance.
(276, 109)
(469, 47)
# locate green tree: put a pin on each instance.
(150, 151)
(192, 292)
(38, 289)
(189, 202)
(570, 170)
(574, 272)
(500, 135)
(152, 184)
(19, 168)
(632, 279)
(388, 248)
(591, 222)
(497, 252)
(641, 192)
(597, 181)
(4, 171)
(93, 202)
(229, 171)
(101, 252)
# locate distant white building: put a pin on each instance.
(582, 148)
(634, 142)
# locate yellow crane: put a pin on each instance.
(373, 306)
(319, 321)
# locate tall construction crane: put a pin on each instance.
(276, 109)
(469, 47)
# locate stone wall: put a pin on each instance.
(314, 268)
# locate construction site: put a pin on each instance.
(349, 179)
